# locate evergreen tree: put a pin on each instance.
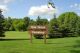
(1, 24)
(53, 28)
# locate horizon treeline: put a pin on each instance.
(68, 22)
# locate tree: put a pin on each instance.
(38, 21)
(78, 26)
(19, 25)
(26, 22)
(8, 24)
(67, 23)
(1, 25)
(32, 22)
(15, 22)
(41, 22)
(53, 28)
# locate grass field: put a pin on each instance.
(18, 42)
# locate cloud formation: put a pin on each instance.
(41, 10)
(3, 5)
(76, 5)
(3, 8)
(5, 1)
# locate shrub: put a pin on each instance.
(38, 36)
(55, 35)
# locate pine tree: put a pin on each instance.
(1, 24)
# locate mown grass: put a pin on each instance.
(18, 42)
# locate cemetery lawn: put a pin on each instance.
(18, 42)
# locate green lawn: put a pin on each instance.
(18, 42)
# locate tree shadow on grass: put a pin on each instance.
(15, 39)
(54, 43)
(76, 48)
(75, 51)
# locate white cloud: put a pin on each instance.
(3, 5)
(41, 10)
(3, 8)
(5, 1)
(76, 5)
(71, 6)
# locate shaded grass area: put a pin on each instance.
(17, 34)
(18, 42)
(76, 47)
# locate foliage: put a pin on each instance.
(26, 22)
(53, 28)
(67, 23)
(32, 22)
(8, 24)
(40, 21)
(1, 25)
(43, 22)
(78, 26)
(19, 25)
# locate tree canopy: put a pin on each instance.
(65, 24)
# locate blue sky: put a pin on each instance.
(21, 8)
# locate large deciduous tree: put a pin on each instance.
(78, 26)
(68, 22)
(19, 25)
(8, 24)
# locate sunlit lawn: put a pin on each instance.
(18, 42)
